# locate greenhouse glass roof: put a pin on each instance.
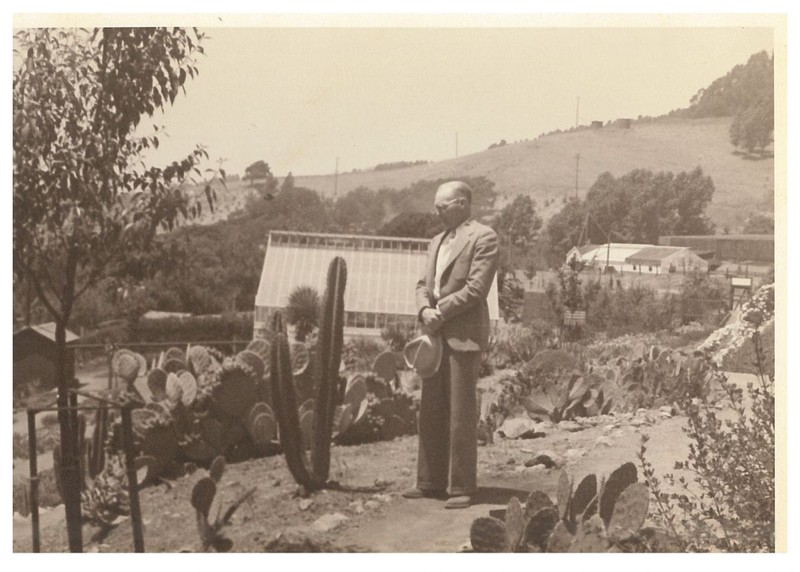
(382, 272)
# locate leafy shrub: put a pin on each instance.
(515, 344)
(48, 493)
(359, 352)
(397, 336)
(728, 503)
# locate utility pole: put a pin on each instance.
(336, 180)
(577, 170)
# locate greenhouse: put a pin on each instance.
(382, 273)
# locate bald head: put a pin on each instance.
(453, 203)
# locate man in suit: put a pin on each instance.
(451, 303)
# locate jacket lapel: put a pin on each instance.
(458, 244)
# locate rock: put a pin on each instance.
(666, 409)
(575, 453)
(382, 497)
(518, 428)
(665, 415)
(357, 507)
(305, 503)
(329, 521)
(602, 441)
(608, 429)
(511, 461)
(547, 459)
(570, 426)
(372, 504)
(534, 469)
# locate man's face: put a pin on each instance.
(451, 206)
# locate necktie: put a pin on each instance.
(441, 260)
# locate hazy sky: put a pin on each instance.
(300, 97)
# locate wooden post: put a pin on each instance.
(33, 480)
(133, 486)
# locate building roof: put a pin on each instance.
(47, 330)
(586, 248)
(382, 272)
(654, 253)
(616, 252)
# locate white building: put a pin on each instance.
(639, 258)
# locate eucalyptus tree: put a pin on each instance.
(83, 195)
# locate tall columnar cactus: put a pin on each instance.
(327, 383)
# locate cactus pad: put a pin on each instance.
(385, 366)
(125, 365)
(173, 388)
(343, 418)
(236, 391)
(560, 538)
(203, 495)
(620, 479)
(253, 361)
(584, 494)
(217, 468)
(157, 383)
(261, 424)
(537, 501)
(564, 494)
(590, 537)
(188, 386)
(515, 523)
(356, 390)
(301, 359)
(630, 511)
(540, 526)
(160, 443)
(261, 349)
(488, 534)
(176, 354)
(211, 432)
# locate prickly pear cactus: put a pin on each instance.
(236, 391)
(630, 512)
(620, 479)
(488, 534)
(515, 523)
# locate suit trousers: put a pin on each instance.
(448, 425)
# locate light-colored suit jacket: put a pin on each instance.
(465, 284)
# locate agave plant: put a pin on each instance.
(302, 311)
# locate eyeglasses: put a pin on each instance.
(444, 206)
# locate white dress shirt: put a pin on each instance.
(443, 255)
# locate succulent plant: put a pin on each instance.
(285, 367)
(574, 523)
(203, 496)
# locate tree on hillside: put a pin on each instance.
(258, 170)
(563, 231)
(81, 195)
(288, 182)
(413, 225)
(360, 211)
(741, 88)
(517, 224)
(640, 206)
(759, 223)
(752, 128)
(418, 197)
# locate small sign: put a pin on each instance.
(577, 318)
(741, 282)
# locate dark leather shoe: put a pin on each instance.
(416, 493)
(461, 501)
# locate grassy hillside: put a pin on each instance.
(545, 167)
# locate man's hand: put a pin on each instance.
(431, 319)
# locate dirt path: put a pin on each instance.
(426, 526)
